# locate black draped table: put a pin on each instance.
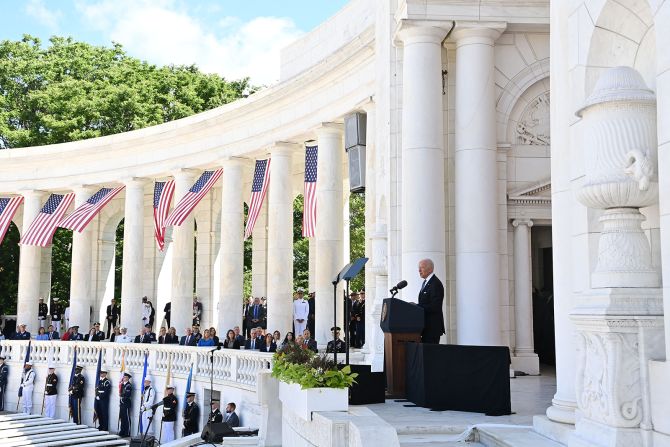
(455, 377)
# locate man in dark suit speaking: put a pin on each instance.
(430, 298)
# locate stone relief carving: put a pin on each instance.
(640, 167)
(533, 128)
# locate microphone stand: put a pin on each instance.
(151, 418)
(211, 385)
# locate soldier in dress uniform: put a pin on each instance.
(215, 415)
(101, 405)
(76, 392)
(42, 311)
(170, 405)
(336, 344)
(191, 416)
(148, 398)
(4, 374)
(56, 311)
(27, 386)
(125, 395)
(50, 393)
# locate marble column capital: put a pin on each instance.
(185, 173)
(477, 32)
(235, 163)
(410, 32)
(325, 129)
(283, 148)
(523, 221)
(33, 193)
(135, 182)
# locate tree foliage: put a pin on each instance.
(9, 270)
(72, 90)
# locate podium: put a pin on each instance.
(401, 322)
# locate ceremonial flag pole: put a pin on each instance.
(97, 382)
(123, 369)
(74, 365)
(25, 360)
(144, 376)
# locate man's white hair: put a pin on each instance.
(428, 262)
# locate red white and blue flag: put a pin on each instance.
(85, 213)
(44, 226)
(309, 197)
(258, 189)
(194, 195)
(163, 192)
(8, 207)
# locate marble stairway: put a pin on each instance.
(20, 429)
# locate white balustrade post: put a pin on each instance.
(232, 247)
(133, 256)
(81, 296)
(181, 316)
(477, 282)
(329, 228)
(30, 263)
(524, 358)
(280, 239)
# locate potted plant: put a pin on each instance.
(310, 382)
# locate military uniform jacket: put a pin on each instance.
(148, 397)
(215, 416)
(336, 346)
(56, 311)
(28, 380)
(52, 385)
(126, 393)
(170, 408)
(4, 373)
(77, 387)
(191, 417)
(42, 312)
(103, 390)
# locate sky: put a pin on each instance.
(234, 38)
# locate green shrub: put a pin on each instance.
(293, 364)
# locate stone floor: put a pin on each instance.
(531, 395)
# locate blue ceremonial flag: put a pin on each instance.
(74, 365)
(188, 385)
(26, 360)
(144, 376)
(98, 369)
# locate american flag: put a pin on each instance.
(193, 197)
(309, 205)
(44, 226)
(258, 189)
(85, 213)
(8, 207)
(163, 192)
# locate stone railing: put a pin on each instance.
(238, 368)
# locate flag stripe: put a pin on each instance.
(309, 196)
(191, 199)
(83, 215)
(8, 208)
(163, 192)
(258, 190)
(44, 226)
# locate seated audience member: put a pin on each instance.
(288, 339)
(75, 335)
(300, 341)
(276, 335)
(212, 333)
(206, 339)
(98, 332)
(269, 344)
(309, 342)
(336, 344)
(231, 416)
(196, 332)
(254, 342)
(22, 334)
(171, 338)
(52, 334)
(231, 341)
(124, 337)
(161, 335)
(115, 333)
(41, 334)
(238, 335)
(92, 335)
(188, 339)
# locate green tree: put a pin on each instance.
(357, 236)
(9, 270)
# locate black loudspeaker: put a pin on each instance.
(370, 387)
(216, 431)
(150, 441)
(355, 128)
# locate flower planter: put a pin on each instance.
(303, 402)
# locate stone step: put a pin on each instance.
(513, 437)
(43, 437)
(435, 429)
(107, 440)
(434, 439)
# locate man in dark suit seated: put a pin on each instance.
(144, 336)
(431, 296)
(189, 339)
(231, 416)
(254, 342)
(310, 343)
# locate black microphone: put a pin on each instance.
(401, 285)
(217, 348)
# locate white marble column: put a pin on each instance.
(478, 307)
(232, 246)
(182, 259)
(422, 212)
(30, 263)
(259, 254)
(329, 227)
(81, 296)
(133, 256)
(524, 358)
(280, 239)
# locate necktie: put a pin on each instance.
(253, 344)
(188, 338)
(256, 312)
(423, 285)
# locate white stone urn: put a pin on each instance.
(619, 120)
(303, 402)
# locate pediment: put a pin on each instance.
(537, 194)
